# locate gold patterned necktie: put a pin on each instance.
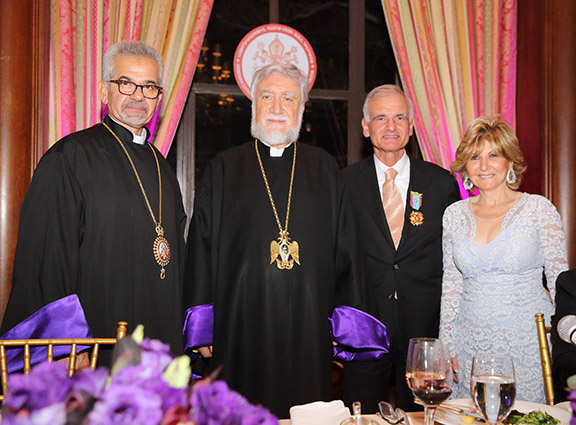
(393, 205)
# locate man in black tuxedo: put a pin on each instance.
(563, 353)
(402, 260)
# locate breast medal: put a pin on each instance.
(416, 216)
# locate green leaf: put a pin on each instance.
(177, 374)
(138, 334)
(571, 382)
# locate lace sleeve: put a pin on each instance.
(451, 284)
(553, 243)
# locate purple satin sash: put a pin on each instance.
(198, 327)
(63, 318)
(360, 336)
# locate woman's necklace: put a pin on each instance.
(161, 248)
(283, 251)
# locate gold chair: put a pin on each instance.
(95, 343)
(545, 359)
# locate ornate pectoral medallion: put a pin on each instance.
(284, 252)
(161, 250)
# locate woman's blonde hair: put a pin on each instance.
(504, 142)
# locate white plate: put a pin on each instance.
(452, 418)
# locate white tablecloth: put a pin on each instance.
(416, 418)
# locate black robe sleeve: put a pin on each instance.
(50, 230)
(563, 353)
(198, 273)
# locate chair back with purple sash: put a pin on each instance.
(49, 347)
(59, 329)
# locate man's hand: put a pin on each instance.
(206, 352)
(82, 361)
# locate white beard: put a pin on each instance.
(274, 138)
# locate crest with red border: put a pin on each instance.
(269, 44)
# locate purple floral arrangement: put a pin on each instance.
(146, 386)
(572, 400)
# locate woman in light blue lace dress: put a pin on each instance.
(496, 247)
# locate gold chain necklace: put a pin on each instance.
(161, 248)
(283, 251)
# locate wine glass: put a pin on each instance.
(429, 374)
(493, 386)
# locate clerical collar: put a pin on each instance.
(275, 152)
(140, 140)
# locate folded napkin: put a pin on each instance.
(319, 413)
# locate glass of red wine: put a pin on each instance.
(429, 374)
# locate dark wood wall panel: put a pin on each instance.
(546, 104)
(23, 42)
(560, 127)
(529, 92)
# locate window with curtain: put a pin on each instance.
(353, 52)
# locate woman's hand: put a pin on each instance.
(455, 368)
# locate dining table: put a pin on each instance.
(416, 418)
(561, 411)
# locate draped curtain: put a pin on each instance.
(80, 33)
(457, 60)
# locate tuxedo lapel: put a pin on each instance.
(367, 186)
(419, 182)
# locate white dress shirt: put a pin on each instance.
(402, 179)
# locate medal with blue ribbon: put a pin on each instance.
(416, 216)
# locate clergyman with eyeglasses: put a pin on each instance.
(103, 217)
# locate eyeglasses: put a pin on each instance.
(128, 88)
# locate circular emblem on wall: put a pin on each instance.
(268, 44)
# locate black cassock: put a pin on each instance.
(271, 329)
(85, 229)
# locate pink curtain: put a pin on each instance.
(80, 33)
(457, 60)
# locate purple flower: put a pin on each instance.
(137, 375)
(216, 404)
(127, 405)
(155, 354)
(177, 415)
(87, 386)
(170, 396)
(257, 415)
(90, 381)
(54, 414)
(47, 384)
(572, 399)
(151, 379)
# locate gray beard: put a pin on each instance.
(260, 132)
(131, 120)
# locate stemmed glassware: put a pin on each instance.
(429, 374)
(493, 386)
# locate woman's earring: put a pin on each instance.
(511, 176)
(467, 183)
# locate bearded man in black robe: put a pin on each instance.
(103, 217)
(268, 248)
